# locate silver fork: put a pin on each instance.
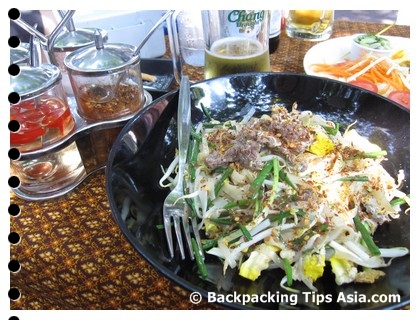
(175, 207)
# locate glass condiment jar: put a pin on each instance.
(45, 119)
(69, 41)
(106, 80)
(42, 112)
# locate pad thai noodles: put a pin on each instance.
(290, 190)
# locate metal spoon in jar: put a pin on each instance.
(107, 95)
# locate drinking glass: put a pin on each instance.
(312, 25)
(190, 29)
(236, 41)
(185, 33)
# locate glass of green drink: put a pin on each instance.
(236, 41)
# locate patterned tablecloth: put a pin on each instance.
(73, 254)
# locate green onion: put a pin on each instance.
(209, 125)
(376, 154)
(199, 259)
(285, 214)
(208, 244)
(259, 202)
(398, 201)
(354, 178)
(212, 124)
(281, 216)
(303, 237)
(226, 174)
(239, 203)
(332, 131)
(222, 221)
(245, 232)
(366, 236)
(275, 180)
(259, 180)
(371, 155)
(192, 157)
(288, 270)
(191, 202)
(234, 240)
(196, 136)
(323, 227)
(283, 176)
(219, 170)
(300, 212)
(206, 112)
(310, 233)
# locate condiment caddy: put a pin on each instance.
(66, 149)
(66, 136)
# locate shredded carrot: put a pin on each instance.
(379, 70)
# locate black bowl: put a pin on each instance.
(148, 141)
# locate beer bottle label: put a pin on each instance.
(243, 22)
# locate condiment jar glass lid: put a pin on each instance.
(79, 38)
(33, 81)
(101, 59)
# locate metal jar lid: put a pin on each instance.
(68, 41)
(101, 59)
(20, 54)
(32, 81)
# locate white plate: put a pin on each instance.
(338, 49)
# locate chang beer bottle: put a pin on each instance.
(236, 41)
